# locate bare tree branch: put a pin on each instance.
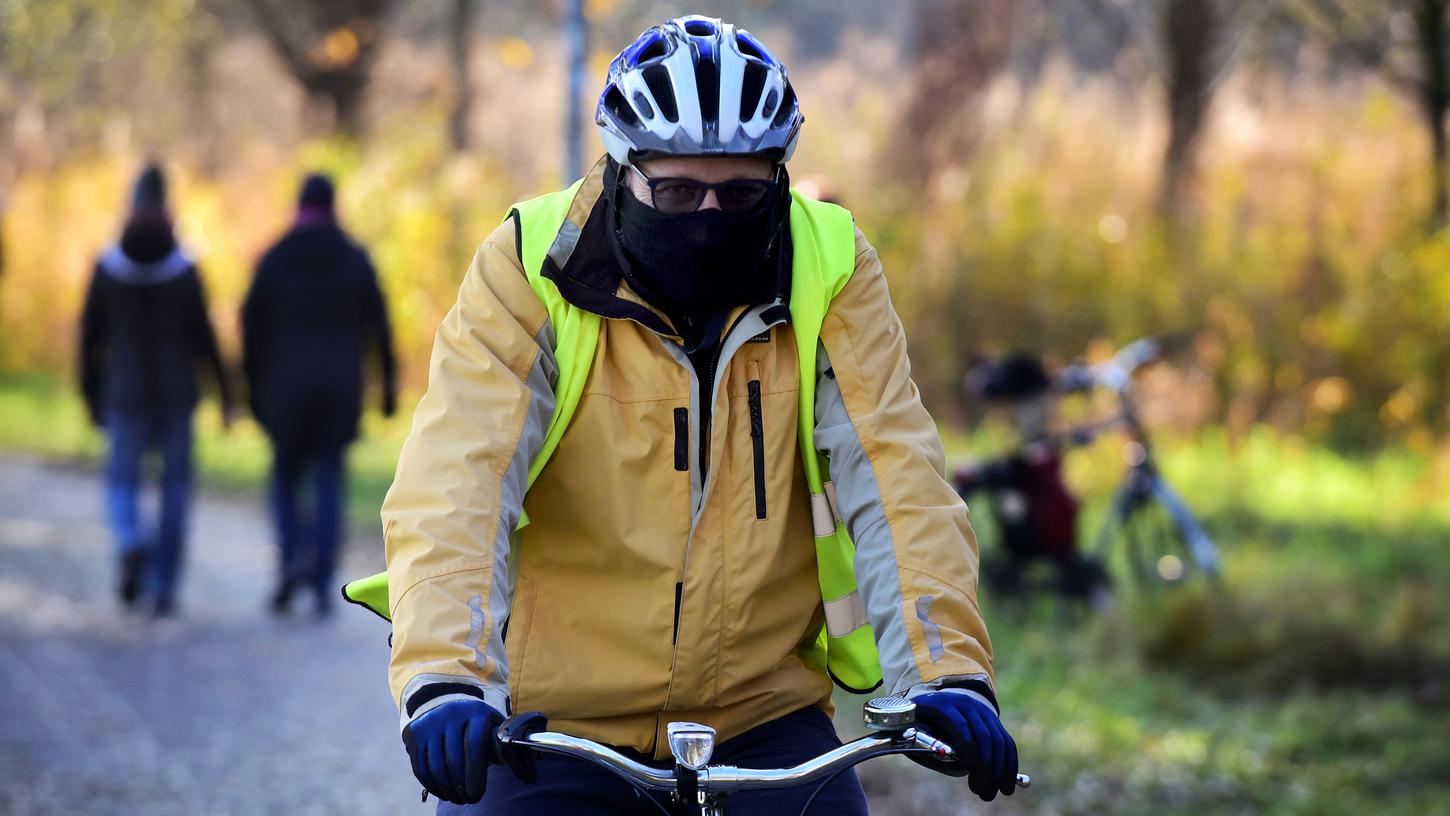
(460, 29)
(1333, 19)
(280, 38)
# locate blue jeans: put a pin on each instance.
(308, 540)
(131, 438)
(579, 788)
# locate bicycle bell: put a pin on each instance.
(691, 743)
(889, 714)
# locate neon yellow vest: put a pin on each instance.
(823, 240)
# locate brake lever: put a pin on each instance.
(940, 750)
(517, 729)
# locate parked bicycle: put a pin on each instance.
(891, 721)
(1148, 524)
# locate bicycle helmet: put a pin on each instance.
(697, 86)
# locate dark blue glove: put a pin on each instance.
(986, 754)
(451, 747)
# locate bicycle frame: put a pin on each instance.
(1143, 483)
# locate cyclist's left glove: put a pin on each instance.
(986, 754)
(451, 748)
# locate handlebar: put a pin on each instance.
(1116, 373)
(692, 777)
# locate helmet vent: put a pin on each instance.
(615, 103)
(751, 47)
(642, 102)
(751, 86)
(707, 88)
(657, 77)
(787, 105)
(652, 48)
(771, 99)
(700, 28)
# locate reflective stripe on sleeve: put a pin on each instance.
(822, 519)
(845, 615)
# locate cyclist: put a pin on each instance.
(683, 543)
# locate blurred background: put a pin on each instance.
(1265, 183)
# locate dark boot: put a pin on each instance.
(133, 564)
(282, 598)
(324, 604)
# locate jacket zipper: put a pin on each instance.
(757, 444)
(679, 595)
(707, 403)
(682, 439)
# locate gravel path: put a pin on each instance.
(223, 710)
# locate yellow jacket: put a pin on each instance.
(648, 587)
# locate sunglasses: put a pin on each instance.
(676, 195)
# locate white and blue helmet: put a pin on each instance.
(698, 86)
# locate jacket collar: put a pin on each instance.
(119, 265)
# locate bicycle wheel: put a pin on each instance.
(1202, 553)
(1152, 535)
(1152, 545)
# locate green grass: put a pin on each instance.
(1312, 681)
(44, 417)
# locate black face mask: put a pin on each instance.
(700, 261)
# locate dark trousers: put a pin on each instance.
(131, 438)
(308, 537)
(573, 786)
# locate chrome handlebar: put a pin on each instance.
(891, 720)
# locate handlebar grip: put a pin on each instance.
(944, 752)
(513, 731)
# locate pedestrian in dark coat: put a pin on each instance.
(314, 312)
(144, 328)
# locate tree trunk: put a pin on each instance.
(329, 48)
(336, 98)
(959, 47)
(1190, 33)
(460, 29)
(576, 33)
(1434, 100)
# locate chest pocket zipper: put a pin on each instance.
(757, 439)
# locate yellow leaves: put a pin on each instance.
(599, 64)
(1112, 228)
(1405, 404)
(515, 53)
(336, 50)
(1329, 395)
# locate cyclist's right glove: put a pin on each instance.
(986, 754)
(451, 747)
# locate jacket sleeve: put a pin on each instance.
(256, 322)
(459, 488)
(92, 349)
(382, 332)
(916, 554)
(204, 340)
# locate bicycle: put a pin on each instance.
(891, 721)
(1150, 523)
